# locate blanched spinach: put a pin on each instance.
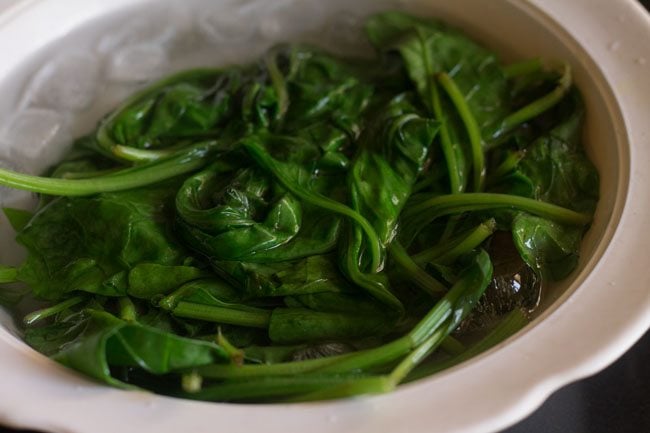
(307, 226)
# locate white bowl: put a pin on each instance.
(589, 320)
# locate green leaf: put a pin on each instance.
(296, 325)
(428, 47)
(107, 341)
(548, 247)
(88, 243)
(558, 170)
(149, 279)
(18, 218)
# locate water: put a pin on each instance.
(68, 82)
(35, 136)
(514, 285)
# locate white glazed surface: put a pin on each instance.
(601, 314)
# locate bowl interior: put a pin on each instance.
(113, 48)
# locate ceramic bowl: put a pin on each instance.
(586, 321)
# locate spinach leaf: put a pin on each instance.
(556, 169)
(89, 244)
(428, 47)
(546, 246)
(105, 342)
(188, 105)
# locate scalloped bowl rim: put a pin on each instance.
(592, 327)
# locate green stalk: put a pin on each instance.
(379, 384)
(473, 130)
(8, 274)
(428, 340)
(512, 323)
(452, 346)
(446, 143)
(418, 275)
(133, 154)
(448, 252)
(351, 387)
(267, 387)
(191, 382)
(369, 282)
(44, 313)
(221, 371)
(87, 174)
(188, 161)
(417, 356)
(128, 311)
(255, 319)
(507, 165)
(259, 154)
(538, 106)
(456, 203)
(277, 80)
(170, 301)
(522, 68)
(235, 354)
(458, 299)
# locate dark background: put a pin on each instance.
(617, 400)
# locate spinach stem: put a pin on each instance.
(419, 276)
(221, 371)
(8, 274)
(257, 318)
(538, 106)
(507, 165)
(235, 354)
(87, 174)
(473, 130)
(267, 387)
(524, 67)
(447, 145)
(277, 80)
(44, 313)
(454, 203)
(134, 154)
(473, 280)
(447, 252)
(128, 311)
(185, 162)
(508, 326)
(452, 345)
(414, 358)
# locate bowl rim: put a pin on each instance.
(526, 390)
